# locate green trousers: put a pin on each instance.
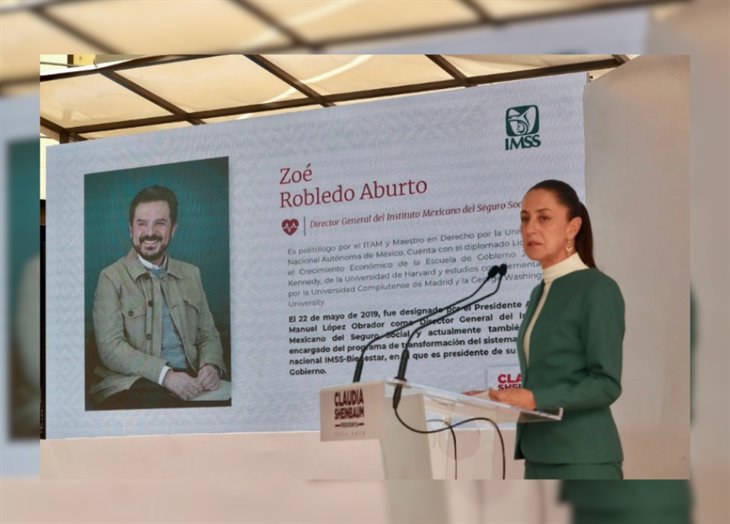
(629, 501)
(631, 516)
(608, 471)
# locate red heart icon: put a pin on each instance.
(290, 226)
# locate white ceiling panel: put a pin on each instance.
(212, 83)
(331, 74)
(168, 26)
(324, 20)
(92, 99)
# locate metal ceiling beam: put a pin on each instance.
(483, 15)
(41, 12)
(296, 39)
(125, 124)
(451, 69)
(53, 126)
(129, 64)
(62, 134)
(50, 132)
(150, 96)
(354, 95)
(395, 91)
(254, 108)
(289, 79)
(546, 71)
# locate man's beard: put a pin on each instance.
(151, 256)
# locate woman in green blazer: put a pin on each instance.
(569, 344)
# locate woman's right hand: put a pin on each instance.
(474, 392)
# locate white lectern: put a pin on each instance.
(364, 411)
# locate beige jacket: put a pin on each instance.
(128, 322)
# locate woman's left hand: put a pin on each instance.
(522, 398)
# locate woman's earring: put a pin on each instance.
(569, 248)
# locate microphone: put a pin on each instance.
(405, 355)
(493, 271)
(496, 270)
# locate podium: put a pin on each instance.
(364, 411)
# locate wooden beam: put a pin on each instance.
(96, 44)
(450, 69)
(286, 77)
(150, 96)
(296, 39)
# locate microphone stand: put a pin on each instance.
(405, 355)
(495, 270)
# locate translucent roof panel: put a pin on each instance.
(90, 102)
(92, 99)
(23, 33)
(331, 74)
(165, 26)
(478, 65)
(508, 9)
(135, 130)
(212, 83)
(323, 20)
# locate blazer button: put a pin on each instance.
(149, 303)
(148, 336)
(130, 313)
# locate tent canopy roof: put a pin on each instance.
(159, 92)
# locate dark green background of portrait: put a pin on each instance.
(21, 205)
(201, 239)
(23, 209)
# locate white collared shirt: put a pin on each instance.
(149, 266)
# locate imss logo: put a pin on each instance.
(523, 125)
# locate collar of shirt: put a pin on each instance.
(562, 268)
(149, 266)
(136, 268)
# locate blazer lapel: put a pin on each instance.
(534, 299)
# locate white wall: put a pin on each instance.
(701, 29)
(637, 127)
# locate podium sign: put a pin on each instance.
(352, 412)
(362, 411)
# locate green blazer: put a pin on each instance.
(575, 363)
